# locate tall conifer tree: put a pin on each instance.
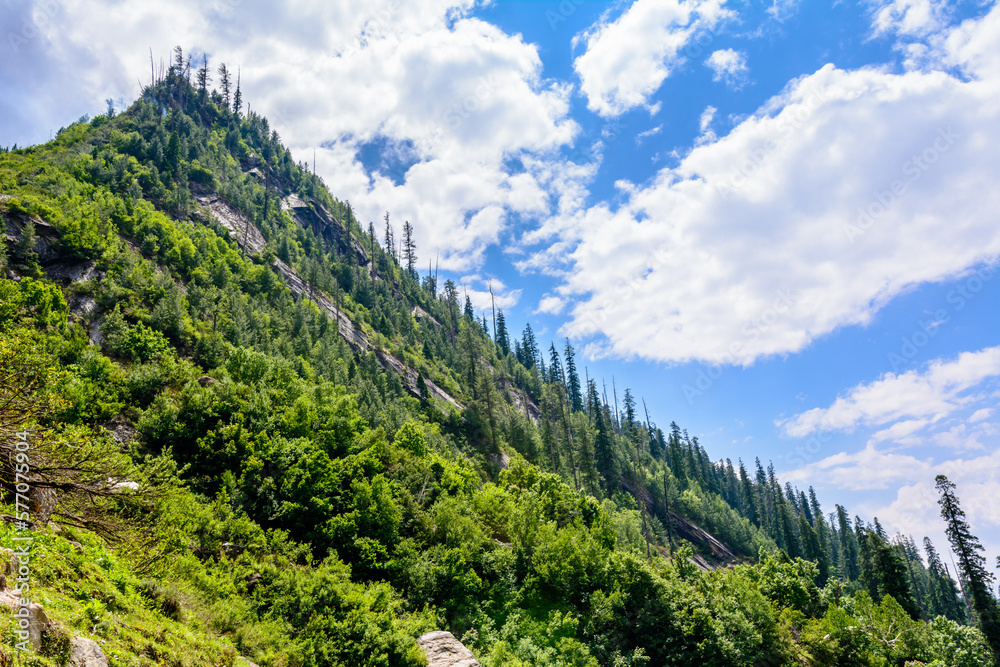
(972, 564)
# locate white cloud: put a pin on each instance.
(652, 132)
(728, 66)
(788, 228)
(707, 134)
(901, 431)
(980, 415)
(782, 10)
(909, 17)
(551, 305)
(627, 59)
(933, 394)
(707, 116)
(936, 414)
(461, 95)
(913, 508)
(865, 470)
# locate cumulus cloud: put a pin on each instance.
(846, 189)
(909, 17)
(866, 470)
(628, 58)
(915, 510)
(728, 66)
(460, 94)
(931, 394)
(937, 414)
(912, 507)
(551, 305)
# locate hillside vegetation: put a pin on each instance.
(269, 438)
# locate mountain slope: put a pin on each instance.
(301, 452)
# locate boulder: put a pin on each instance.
(37, 623)
(86, 653)
(443, 650)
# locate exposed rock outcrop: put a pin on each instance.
(313, 215)
(717, 552)
(358, 339)
(443, 650)
(86, 653)
(240, 228)
(419, 314)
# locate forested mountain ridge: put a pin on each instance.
(267, 435)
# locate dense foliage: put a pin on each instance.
(327, 455)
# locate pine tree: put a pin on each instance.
(503, 340)
(628, 412)
(371, 252)
(814, 506)
(390, 242)
(177, 67)
(573, 378)
(203, 78)
(468, 312)
(556, 373)
(943, 593)
(530, 347)
(238, 96)
(604, 455)
(790, 539)
(423, 391)
(676, 454)
(226, 82)
(805, 509)
(748, 497)
(451, 300)
(593, 400)
(409, 249)
(971, 562)
(813, 550)
(24, 258)
(893, 574)
(852, 569)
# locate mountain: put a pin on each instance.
(239, 426)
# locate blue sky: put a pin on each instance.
(775, 221)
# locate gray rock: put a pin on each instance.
(37, 623)
(86, 653)
(443, 650)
